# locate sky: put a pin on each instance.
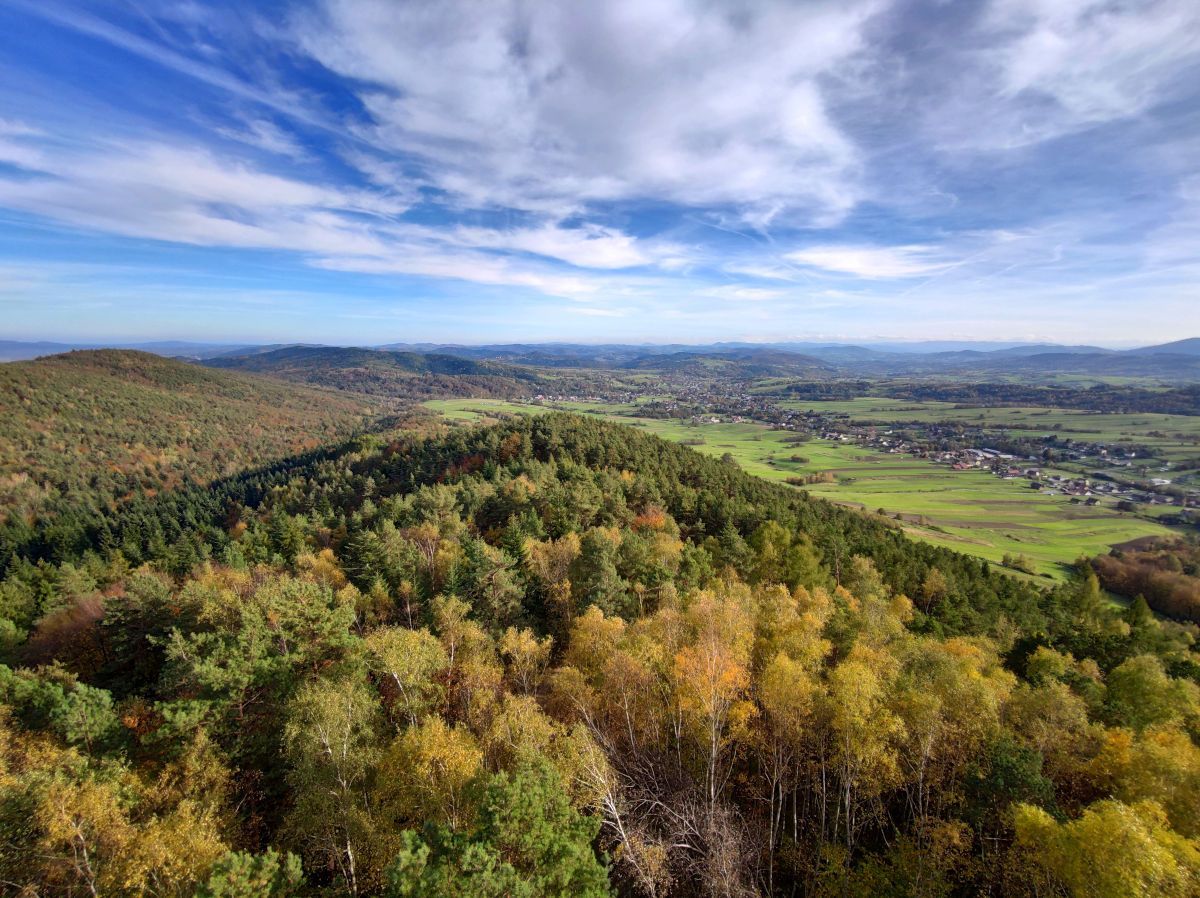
(377, 171)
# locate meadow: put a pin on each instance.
(970, 511)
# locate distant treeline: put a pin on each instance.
(1167, 575)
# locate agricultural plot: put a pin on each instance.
(970, 511)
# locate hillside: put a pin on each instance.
(413, 666)
(382, 372)
(101, 425)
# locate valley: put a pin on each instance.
(973, 511)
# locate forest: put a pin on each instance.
(556, 656)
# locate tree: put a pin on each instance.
(712, 678)
(1114, 850)
(491, 583)
(259, 639)
(865, 734)
(549, 563)
(594, 576)
(934, 588)
(427, 772)
(72, 824)
(787, 692)
(85, 717)
(331, 743)
(240, 874)
(1008, 773)
(1162, 765)
(527, 657)
(784, 557)
(474, 673)
(1087, 602)
(528, 842)
(408, 664)
(1141, 694)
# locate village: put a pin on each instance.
(1086, 471)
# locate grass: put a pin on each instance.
(970, 511)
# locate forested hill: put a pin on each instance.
(557, 656)
(97, 426)
(410, 374)
(712, 502)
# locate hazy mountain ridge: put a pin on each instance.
(1177, 361)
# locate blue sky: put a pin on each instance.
(371, 171)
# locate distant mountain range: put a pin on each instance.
(1176, 361)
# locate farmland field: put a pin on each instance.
(1177, 436)
(970, 511)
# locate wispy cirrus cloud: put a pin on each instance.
(742, 293)
(585, 246)
(1008, 75)
(871, 262)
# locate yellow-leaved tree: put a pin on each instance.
(1114, 850)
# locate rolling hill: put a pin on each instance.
(93, 426)
(384, 372)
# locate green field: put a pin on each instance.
(971, 511)
(1177, 436)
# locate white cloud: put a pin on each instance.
(545, 106)
(165, 192)
(12, 128)
(424, 261)
(589, 246)
(872, 262)
(584, 127)
(764, 270)
(79, 20)
(1177, 242)
(743, 293)
(16, 146)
